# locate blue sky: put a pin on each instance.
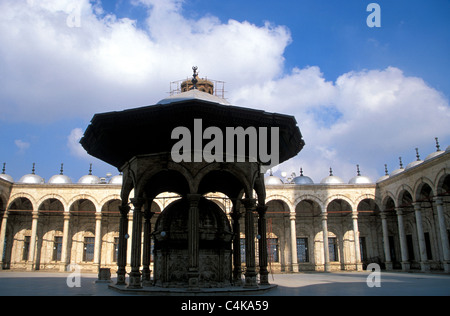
(360, 95)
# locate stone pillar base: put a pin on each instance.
(193, 280)
(447, 266)
(250, 280)
(425, 267)
(264, 279)
(389, 266)
(406, 266)
(135, 281)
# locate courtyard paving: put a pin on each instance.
(299, 284)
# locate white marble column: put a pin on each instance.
(98, 239)
(31, 255)
(358, 262)
(3, 237)
(425, 266)
(293, 243)
(387, 249)
(326, 251)
(403, 245)
(443, 234)
(65, 243)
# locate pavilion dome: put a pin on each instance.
(302, 179)
(89, 178)
(193, 95)
(60, 178)
(331, 179)
(32, 178)
(272, 180)
(116, 179)
(5, 176)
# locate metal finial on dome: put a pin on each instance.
(401, 163)
(4, 168)
(331, 172)
(33, 169)
(271, 174)
(301, 172)
(438, 147)
(358, 173)
(194, 78)
(417, 154)
(61, 172)
(386, 172)
(90, 169)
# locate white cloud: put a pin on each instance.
(73, 143)
(22, 145)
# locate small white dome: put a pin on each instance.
(437, 152)
(31, 179)
(434, 154)
(89, 178)
(59, 179)
(360, 180)
(6, 177)
(397, 171)
(302, 180)
(386, 174)
(383, 178)
(413, 164)
(272, 180)
(116, 179)
(332, 179)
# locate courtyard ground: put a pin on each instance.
(299, 284)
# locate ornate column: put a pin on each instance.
(3, 237)
(237, 269)
(403, 246)
(250, 265)
(65, 243)
(98, 239)
(147, 246)
(293, 242)
(326, 251)
(443, 233)
(31, 264)
(122, 251)
(425, 266)
(262, 232)
(358, 262)
(387, 250)
(193, 240)
(135, 274)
